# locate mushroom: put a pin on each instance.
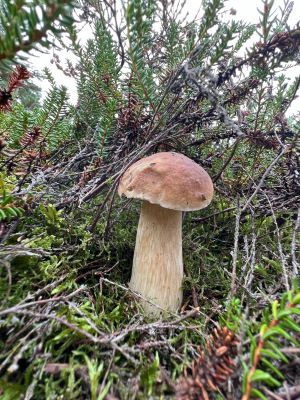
(168, 183)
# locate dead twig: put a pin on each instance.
(235, 248)
(265, 174)
(294, 245)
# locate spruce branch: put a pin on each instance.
(22, 27)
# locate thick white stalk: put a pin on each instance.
(157, 270)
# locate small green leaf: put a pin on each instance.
(295, 310)
(258, 393)
(245, 375)
(150, 374)
(274, 309)
(296, 299)
(2, 215)
(276, 330)
(11, 211)
(276, 350)
(284, 313)
(289, 323)
(271, 354)
(260, 375)
(272, 367)
(284, 300)
(253, 346)
(105, 390)
(263, 329)
(290, 296)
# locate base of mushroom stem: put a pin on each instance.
(151, 308)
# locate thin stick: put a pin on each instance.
(265, 174)
(232, 153)
(294, 245)
(235, 248)
(280, 249)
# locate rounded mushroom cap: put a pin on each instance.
(169, 179)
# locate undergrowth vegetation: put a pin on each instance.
(149, 79)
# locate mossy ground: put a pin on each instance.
(92, 339)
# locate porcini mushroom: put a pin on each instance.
(168, 183)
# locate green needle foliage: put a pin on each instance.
(98, 83)
(149, 78)
(24, 25)
(280, 327)
(53, 118)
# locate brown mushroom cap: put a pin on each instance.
(169, 179)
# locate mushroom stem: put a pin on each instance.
(157, 271)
